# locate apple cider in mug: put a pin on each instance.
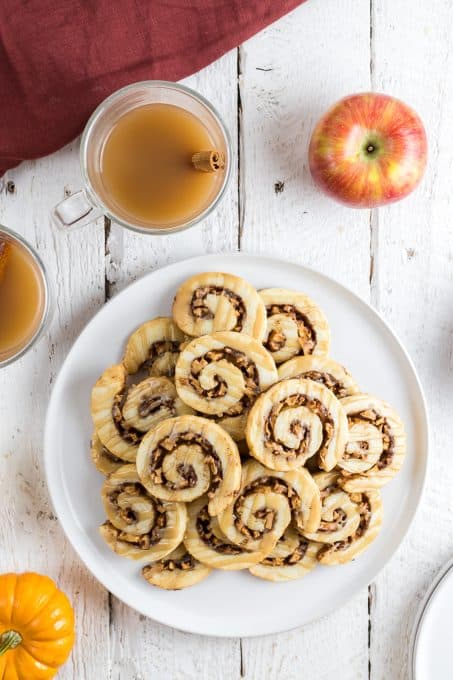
(22, 297)
(159, 166)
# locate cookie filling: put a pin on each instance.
(187, 472)
(185, 563)
(293, 558)
(208, 537)
(153, 403)
(238, 359)
(388, 440)
(337, 522)
(293, 401)
(263, 485)
(128, 434)
(365, 519)
(200, 309)
(327, 379)
(167, 350)
(143, 541)
(307, 335)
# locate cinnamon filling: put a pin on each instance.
(200, 309)
(185, 563)
(365, 519)
(295, 400)
(238, 359)
(327, 379)
(263, 485)
(157, 351)
(128, 434)
(208, 537)
(388, 440)
(148, 405)
(153, 403)
(293, 558)
(186, 471)
(305, 331)
(338, 521)
(143, 541)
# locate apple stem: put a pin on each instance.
(370, 148)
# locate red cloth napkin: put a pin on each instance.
(60, 58)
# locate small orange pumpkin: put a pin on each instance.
(36, 627)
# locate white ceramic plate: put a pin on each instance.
(431, 653)
(235, 603)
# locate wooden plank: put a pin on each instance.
(289, 75)
(142, 648)
(30, 536)
(413, 283)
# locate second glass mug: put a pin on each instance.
(87, 205)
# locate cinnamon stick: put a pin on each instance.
(209, 161)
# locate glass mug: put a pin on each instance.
(25, 296)
(87, 205)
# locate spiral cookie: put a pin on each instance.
(377, 443)
(106, 400)
(155, 346)
(150, 401)
(264, 507)
(323, 370)
(369, 506)
(294, 420)
(293, 557)
(295, 325)
(183, 458)
(340, 516)
(104, 461)
(211, 302)
(205, 541)
(222, 374)
(178, 570)
(122, 414)
(138, 525)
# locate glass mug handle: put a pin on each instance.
(75, 211)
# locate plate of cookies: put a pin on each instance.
(236, 445)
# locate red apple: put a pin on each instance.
(368, 150)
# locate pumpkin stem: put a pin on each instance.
(9, 640)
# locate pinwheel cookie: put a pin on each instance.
(183, 458)
(139, 526)
(265, 505)
(295, 420)
(349, 522)
(323, 370)
(122, 414)
(205, 541)
(213, 301)
(221, 375)
(154, 346)
(293, 557)
(295, 325)
(176, 571)
(376, 446)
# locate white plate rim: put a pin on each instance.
(422, 611)
(86, 559)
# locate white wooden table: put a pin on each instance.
(270, 92)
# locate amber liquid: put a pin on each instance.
(22, 296)
(146, 167)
